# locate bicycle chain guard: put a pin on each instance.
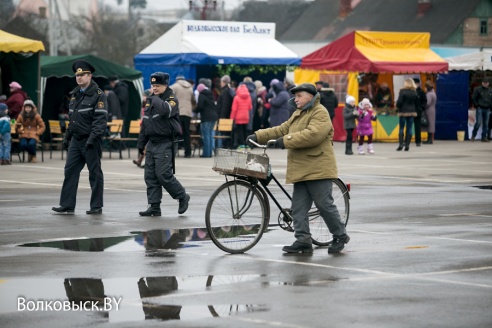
(285, 219)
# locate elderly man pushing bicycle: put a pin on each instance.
(311, 166)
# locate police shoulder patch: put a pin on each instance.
(172, 103)
(99, 92)
(100, 104)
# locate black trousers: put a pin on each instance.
(77, 158)
(185, 124)
(418, 129)
(159, 172)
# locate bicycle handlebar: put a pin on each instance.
(269, 142)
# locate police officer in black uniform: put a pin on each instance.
(158, 135)
(88, 117)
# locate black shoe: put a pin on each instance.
(63, 210)
(349, 152)
(400, 147)
(338, 244)
(418, 145)
(183, 204)
(152, 210)
(96, 210)
(298, 247)
(407, 148)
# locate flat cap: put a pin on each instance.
(81, 66)
(308, 87)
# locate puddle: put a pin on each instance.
(483, 187)
(142, 240)
(125, 299)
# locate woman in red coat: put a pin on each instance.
(241, 105)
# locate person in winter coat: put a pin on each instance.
(29, 127)
(328, 97)
(430, 111)
(364, 128)
(350, 113)
(311, 167)
(183, 90)
(5, 137)
(407, 103)
(224, 105)
(208, 117)
(252, 93)
(279, 110)
(241, 107)
(420, 111)
(16, 99)
(482, 100)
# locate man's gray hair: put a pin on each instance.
(226, 79)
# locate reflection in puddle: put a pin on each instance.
(140, 240)
(132, 299)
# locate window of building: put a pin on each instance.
(484, 26)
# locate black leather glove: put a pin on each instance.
(89, 145)
(251, 137)
(66, 143)
(279, 143)
(141, 151)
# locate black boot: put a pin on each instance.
(408, 138)
(138, 162)
(430, 137)
(348, 147)
(152, 210)
(400, 140)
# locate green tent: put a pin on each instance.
(57, 79)
(19, 61)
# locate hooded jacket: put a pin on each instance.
(241, 105)
(15, 102)
(206, 106)
(308, 136)
(279, 110)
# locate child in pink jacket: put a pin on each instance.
(241, 105)
(364, 127)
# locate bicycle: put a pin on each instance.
(238, 212)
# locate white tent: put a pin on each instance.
(192, 43)
(466, 59)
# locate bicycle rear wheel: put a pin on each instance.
(236, 216)
(320, 234)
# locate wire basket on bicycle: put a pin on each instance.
(235, 162)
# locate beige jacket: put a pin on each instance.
(30, 128)
(183, 90)
(308, 136)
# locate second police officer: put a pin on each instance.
(160, 125)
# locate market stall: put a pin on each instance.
(360, 61)
(19, 61)
(191, 48)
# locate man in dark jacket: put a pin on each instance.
(420, 112)
(328, 97)
(121, 91)
(482, 100)
(158, 132)
(88, 116)
(224, 103)
(114, 110)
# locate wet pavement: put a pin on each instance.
(420, 253)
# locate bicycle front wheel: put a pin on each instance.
(320, 234)
(236, 216)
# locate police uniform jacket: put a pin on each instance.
(156, 121)
(88, 114)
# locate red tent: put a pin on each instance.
(377, 52)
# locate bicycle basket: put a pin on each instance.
(236, 162)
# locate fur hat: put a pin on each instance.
(349, 99)
(365, 101)
(159, 78)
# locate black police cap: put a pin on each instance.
(81, 66)
(159, 78)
